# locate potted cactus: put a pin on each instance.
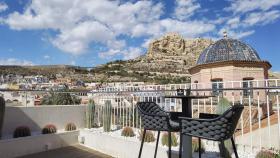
(49, 129)
(128, 132)
(164, 139)
(107, 112)
(70, 127)
(22, 131)
(90, 114)
(149, 137)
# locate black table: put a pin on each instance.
(187, 112)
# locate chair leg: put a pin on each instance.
(169, 144)
(141, 147)
(157, 144)
(181, 143)
(234, 147)
(199, 147)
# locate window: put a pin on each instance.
(247, 83)
(217, 86)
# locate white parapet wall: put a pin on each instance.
(37, 117)
(11, 148)
(264, 137)
(120, 147)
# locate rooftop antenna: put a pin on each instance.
(225, 34)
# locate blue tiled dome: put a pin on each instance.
(228, 49)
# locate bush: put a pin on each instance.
(195, 146)
(70, 127)
(266, 154)
(48, 129)
(150, 137)
(174, 139)
(128, 132)
(22, 131)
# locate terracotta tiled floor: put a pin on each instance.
(76, 151)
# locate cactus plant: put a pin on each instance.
(48, 129)
(150, 137)
(2, 112)
(128, 132)
(70, 127)
(22, 131)
(225, 147)
(195, 146)
(164, 139)
(107, 112)
(266, 154)
(90, 114)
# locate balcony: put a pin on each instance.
(258, 128)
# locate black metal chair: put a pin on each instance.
(212, 127)
(156, 119)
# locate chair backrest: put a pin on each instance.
(152, 116)
(233, 114)
(217, 129)
(150, 108)
(228, 122)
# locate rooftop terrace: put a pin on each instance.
(257, 129)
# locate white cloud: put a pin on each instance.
(236, 33)
(233, 22)
(250, 13)
(47, 57)
(185, 8)
(187, 28)
(3, 6)
(130, 53)
(109, 54)
(243, 6)
(13, 61)
(80, 23)
(261, 18)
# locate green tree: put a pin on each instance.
(60, 98)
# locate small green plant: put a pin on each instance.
(128, 132)
(22, 131)
(195, 146)
(164, 139)
(48, 129)
(70, 127)
(225, 147)
(150, 137)
(277, 154)
(223, 105)
(266, 154)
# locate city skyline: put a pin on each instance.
(88, 33)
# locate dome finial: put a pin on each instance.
(225, 34)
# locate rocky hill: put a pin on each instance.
(166, 61)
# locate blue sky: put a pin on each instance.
(92, 32)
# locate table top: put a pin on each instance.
(189, 96)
